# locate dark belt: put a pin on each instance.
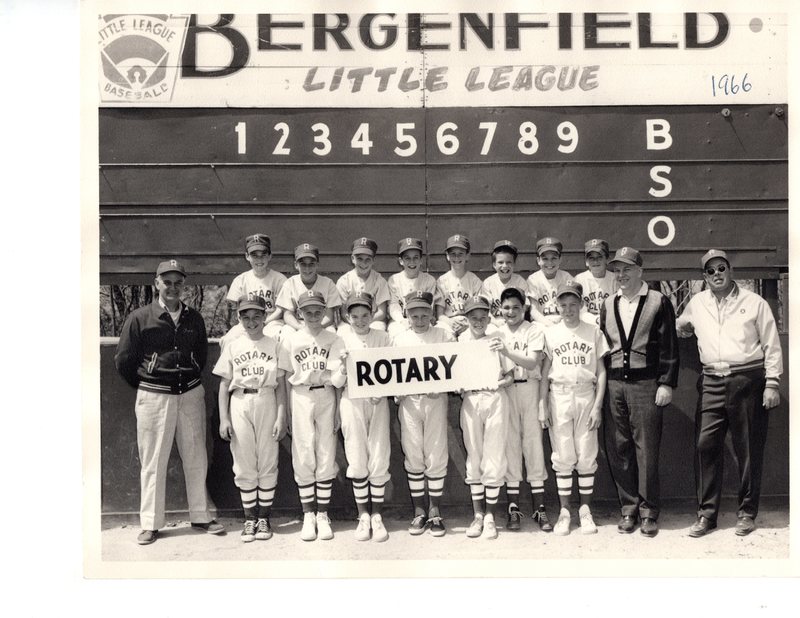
(251, 391)
(520, 381)
(312, 388)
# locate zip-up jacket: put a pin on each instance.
(650, 350)
(155, 355)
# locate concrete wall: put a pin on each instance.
(120, 462)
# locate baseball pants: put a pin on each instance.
(313, 438)
(524, 439)
(484, 418)
(423, 434)
(254, 450)
(162, 418)
(733, 403)
(365, 427)
(633, 439)
(575, 446)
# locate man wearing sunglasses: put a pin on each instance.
(742, 365)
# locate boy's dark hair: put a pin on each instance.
(504, 250)
(512, 293)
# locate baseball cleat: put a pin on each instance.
(417, 525)
(362, 530)
(587, 522)
(436, 526)
(562, 525)
(476, 527)
(489, 527)
(514, 518)
(540, 517)
(263, 529)
(324, 531)
(249, 531)
(379, 532)
(309, 531)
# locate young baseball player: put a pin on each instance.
(309, 356)
(365, 422)
(423, 423)
(364, 279)
(597, 282)
(260, 281)
(409, 280)
(542, 284)
(306, 261)
(524, 344)
(573, 385)
(252, 414)
(457, 285)
(484, 425)
(504, 260)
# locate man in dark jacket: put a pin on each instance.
(162, 350)
(642, 369)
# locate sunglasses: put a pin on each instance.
(713, 271)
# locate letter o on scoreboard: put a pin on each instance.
(661, 241)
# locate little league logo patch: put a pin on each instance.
(139, 56)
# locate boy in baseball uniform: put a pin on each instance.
(309, 356)
(457, 285)
(573, 385)
(252, 414)
(597, 281)
(306, 261)
(365, 422)
(524, 345)
(423, 422)
(542, 284)
(364, 279)
(260, 281)
(504, 260)
(484, 420)
(408, 281)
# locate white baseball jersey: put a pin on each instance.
(267, 287)
(433, 335)
(294, 288)
(492, 289)
(542, 291)
(527, 340)
(595, 291)
(574, 352)
(307, 356)
(350, 283)
(455, 291)
(249, 364)
(401, 286)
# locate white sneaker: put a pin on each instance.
(562, 525)
(309, 531)
(489, 527)
(379, 532)
(324, 531)
(362, 531)
(587, 523)
(476, 527)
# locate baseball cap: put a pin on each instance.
(409, 243)
(169, 266)
(306, 250)
(627, 255)
(364, 245)
(548, 243)
(311, 297)
(457, 241)
(505, 245)
(596, 245)
(419, 299)
(570, 287)
(359, 298)
(714, 253)
(252, 303)
(476, 302)
(256, 242)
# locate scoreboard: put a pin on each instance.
(668, 173)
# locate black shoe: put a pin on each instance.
(212, 527)
(702, 527)
(627, 524)
(514, 519)
(418, 525)
(436, 526)
(745, 525)
(540, 517)
(649, 527)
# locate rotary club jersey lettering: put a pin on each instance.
(267, 287)
(574, 352)
(249, 364)
(455, 291)
(433, 335)
(350, 283)
(294, 288)
(310, 358)
(527, 339)
(542, 291)
(492, 289)
(595, 291)
(401, 286)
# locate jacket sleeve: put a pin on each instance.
(129, 355)
(668, 360)
(201, 353)
(770, 343)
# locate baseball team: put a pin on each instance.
(575, 355)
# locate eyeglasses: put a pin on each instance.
(713, 271)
